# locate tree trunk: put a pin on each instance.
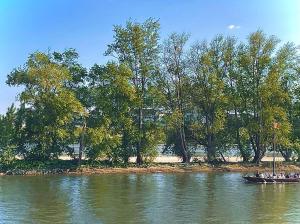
(139, 159)
(184, 151)
(126, 148)
(255, 146)
(259, 153)
(81, 143)
(211, 152)
(244, 154)
(256, 158)
(224, 160)
(183, 147)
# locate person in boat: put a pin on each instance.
(257, 174)
(281, 176)
(261, 175)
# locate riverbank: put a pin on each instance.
(175, 168)
(71, 168)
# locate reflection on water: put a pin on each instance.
(148, 198)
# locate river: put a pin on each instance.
(147, 198)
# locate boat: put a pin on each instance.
(271, 180)
(274, 178)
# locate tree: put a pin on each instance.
(173, 85)
(234, 132)
(208, 96)
(136, 45)
(7, 136)
(263, 97)
(44, 118)
(288, 63)
(110, 126)
(77, 84)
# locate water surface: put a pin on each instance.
(146, 198)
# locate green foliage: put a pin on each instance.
(208, 95)
(136, 46)
(111, 131)
(44, 117)
(7, 136)
(173, 84)
(218, 95)
(264, 99)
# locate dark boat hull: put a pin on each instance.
(253, 179)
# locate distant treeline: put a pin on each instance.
(218, 94)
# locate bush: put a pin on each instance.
(7, 155)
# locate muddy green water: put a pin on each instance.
(147, 198)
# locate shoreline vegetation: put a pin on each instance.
(70, 167)
(224, 96)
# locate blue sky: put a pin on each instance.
(86, 25)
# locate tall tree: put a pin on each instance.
(44, 117)
(262, 93)
(77, 84)
(173, 85)
(136, 45)
(110, 127)
(208, 93)
(288, 63)
(233, 88)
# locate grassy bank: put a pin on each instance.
(21, 167)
